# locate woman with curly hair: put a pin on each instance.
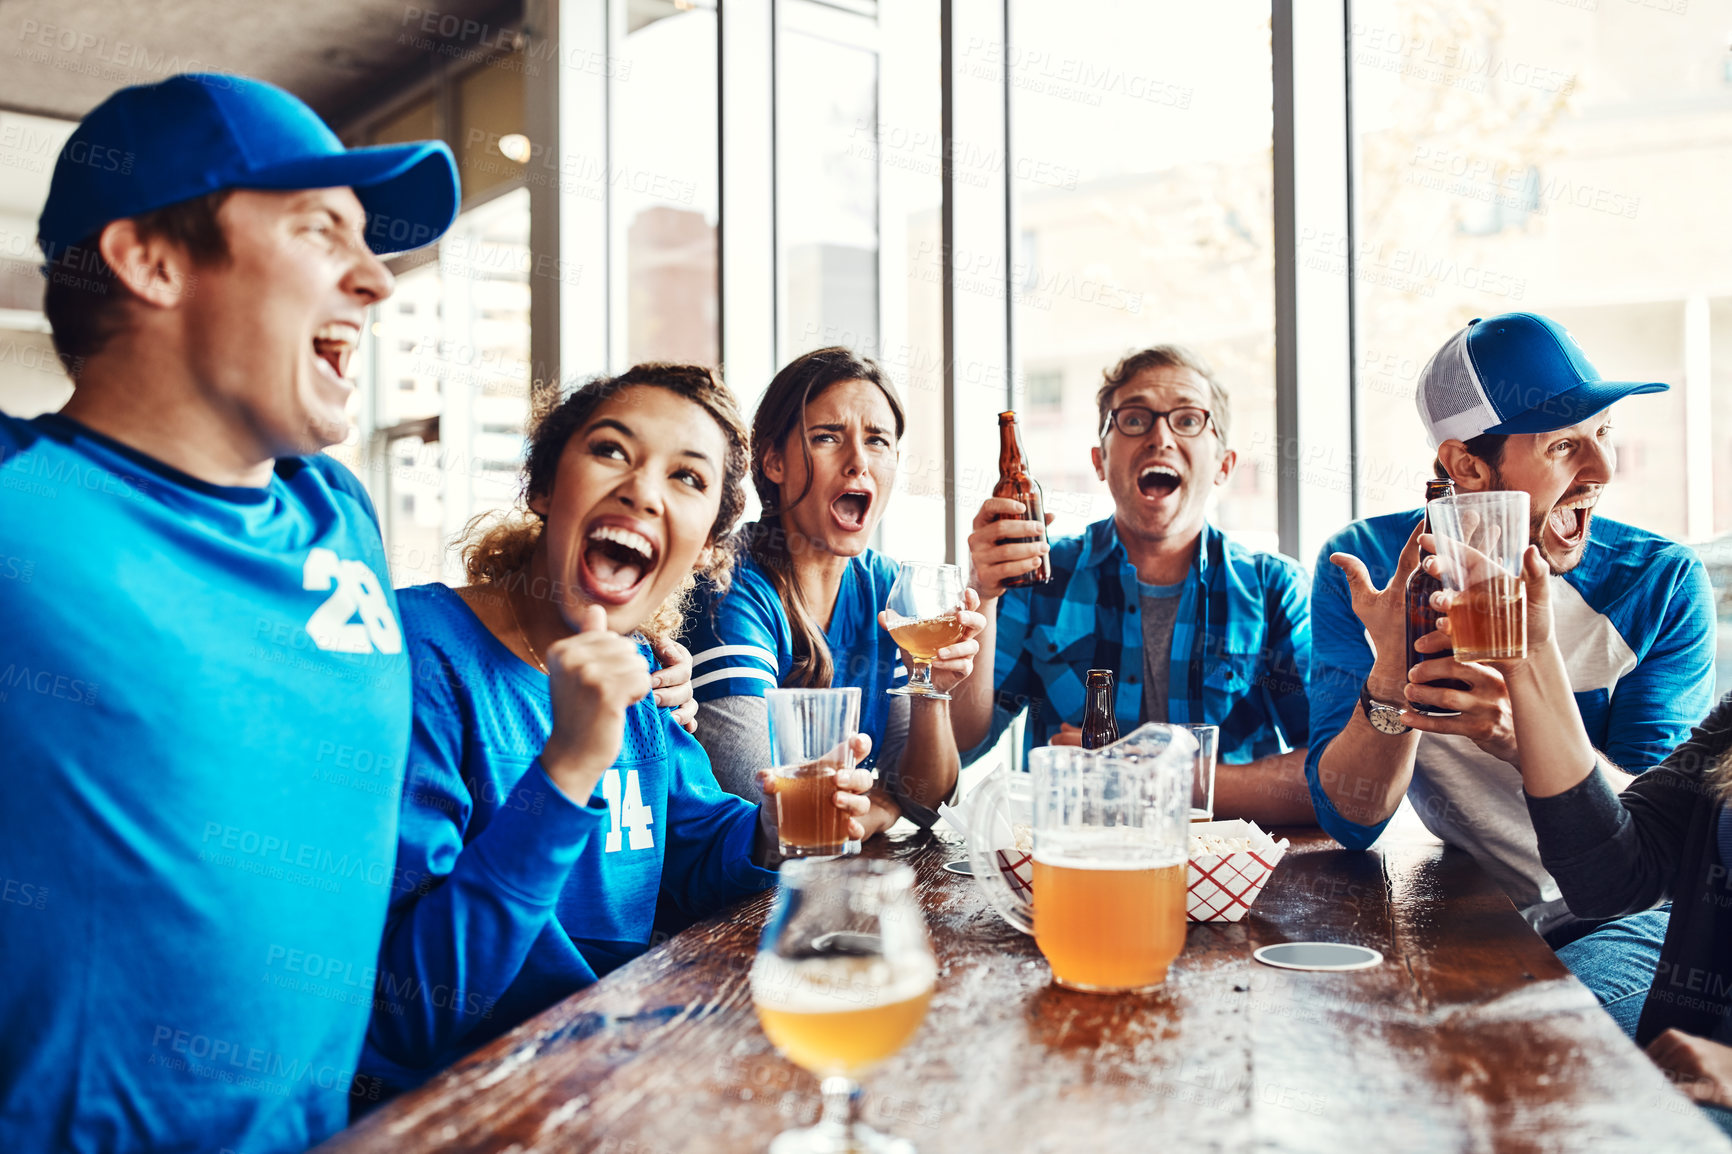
(549, 802)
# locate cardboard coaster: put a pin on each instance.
(1317, 956)
(960, 867)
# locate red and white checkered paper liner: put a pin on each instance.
(1222, 888)
(1218, 888)
(1017, 868)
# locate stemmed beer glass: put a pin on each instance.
(842, 979)
(926, 615)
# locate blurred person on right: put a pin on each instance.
(1616, 847)
(1511, 403)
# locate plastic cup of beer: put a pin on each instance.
(1107, 907)
(1480, 540)
(842, 979)
(809, 745)
(1203, 771)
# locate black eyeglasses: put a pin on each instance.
(1136, 420)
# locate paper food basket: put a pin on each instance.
(1222, 887)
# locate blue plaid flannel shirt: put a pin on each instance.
(1241, 644)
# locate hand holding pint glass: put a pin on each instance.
(1480, 539)
(811, 742)
(1111, 845)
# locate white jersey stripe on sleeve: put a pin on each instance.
(720, 651)
(734, 671)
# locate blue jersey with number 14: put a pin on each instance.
(511, 895)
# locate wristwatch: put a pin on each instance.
(1383, 718)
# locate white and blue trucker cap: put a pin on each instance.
(1514, 373)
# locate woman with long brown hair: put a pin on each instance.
(549, 801)
(802, 605)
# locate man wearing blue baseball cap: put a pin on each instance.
(1510, 402)
(204, 699)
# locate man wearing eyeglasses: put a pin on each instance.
(1198, 629)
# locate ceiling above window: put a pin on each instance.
(62, 57)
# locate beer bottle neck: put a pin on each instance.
(1011, 460)
(1433, 491)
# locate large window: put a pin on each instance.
(32, 378)
(663, 186)
(826, 186)
(1560, 159)
(450, 389)
(1141, 169)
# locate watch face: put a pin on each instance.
(1386, 719)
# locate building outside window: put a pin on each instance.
(1142, 175)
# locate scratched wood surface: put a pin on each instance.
(1470, 1037)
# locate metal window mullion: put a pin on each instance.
(973, 220)
(1286, 284)
(1352, 256)
(946, 238)
(746, 255)
(1315, 466)
(565, 118)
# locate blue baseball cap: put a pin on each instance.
(154, 145)
(1514, 373)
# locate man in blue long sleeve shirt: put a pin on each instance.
(1510, 402)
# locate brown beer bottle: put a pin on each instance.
(1015, 483)
(1421, 617)
(1098, 727)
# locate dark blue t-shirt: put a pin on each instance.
(204, 705)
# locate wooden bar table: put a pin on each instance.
(1471, 1036)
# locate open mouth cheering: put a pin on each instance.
(617, 559)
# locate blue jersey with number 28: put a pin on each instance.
(204, 705)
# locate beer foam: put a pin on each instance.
(1099, 857)
(839, 985)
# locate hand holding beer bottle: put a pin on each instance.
(1422, 614)
(1008, 546)
(1015, 484)
(1004, 546)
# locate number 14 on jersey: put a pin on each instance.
(625, 806)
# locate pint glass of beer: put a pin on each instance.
(809, 732)
(1480, 541)
(842, 979)
(1203, 771)
(1110, 861)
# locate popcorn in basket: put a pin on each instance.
(1230, 864)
